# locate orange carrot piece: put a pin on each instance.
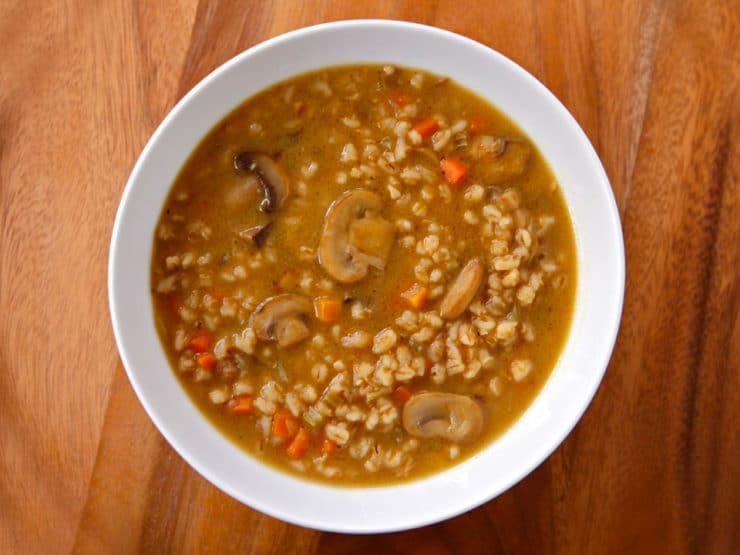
(206, 360)
(241, 404)
(329, 447)
(395, 301)
(477, 123)
(401, 394)
(415, 296)
(200, 341)
(327, 309)
(427, 127)
(454, 170)
(284, 425)
(299, 445)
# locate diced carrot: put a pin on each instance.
(477, 123)
(242, 404)
(329, 447)
(200, 341)
(400, 97)
(284, 424)
(401, 394)
(454, 170)
(299, 445)
(327, 308)
(415, 296)
(206, 360)
(396, 302)
(427, 127)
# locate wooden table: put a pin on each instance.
(654, 465)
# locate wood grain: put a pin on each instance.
(654, 465)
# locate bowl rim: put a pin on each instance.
(316, 521)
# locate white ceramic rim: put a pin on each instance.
(466, 485)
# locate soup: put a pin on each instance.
(363, 274)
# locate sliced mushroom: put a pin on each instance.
(245, 191)
(443, 415)
(257, 233)
(355, 236)
(271, 175)
(463, 289)
(487, 146)
(500, 159)
(282, 318)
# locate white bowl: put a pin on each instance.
(566, 393)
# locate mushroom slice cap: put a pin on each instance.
(274, 181)
(372, 236)
(463, 289)
(355, 236)
(245, 191)
(282, 318)
(448, 416)
(502, 160)
(487, 146)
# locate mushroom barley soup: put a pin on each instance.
(364, 274)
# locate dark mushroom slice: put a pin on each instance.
(355, 236)
(282, 318)
(257, 233)
(450, 416)
(463, 289)
(274, 181)
(500, 159)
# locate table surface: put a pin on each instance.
(653, 466)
